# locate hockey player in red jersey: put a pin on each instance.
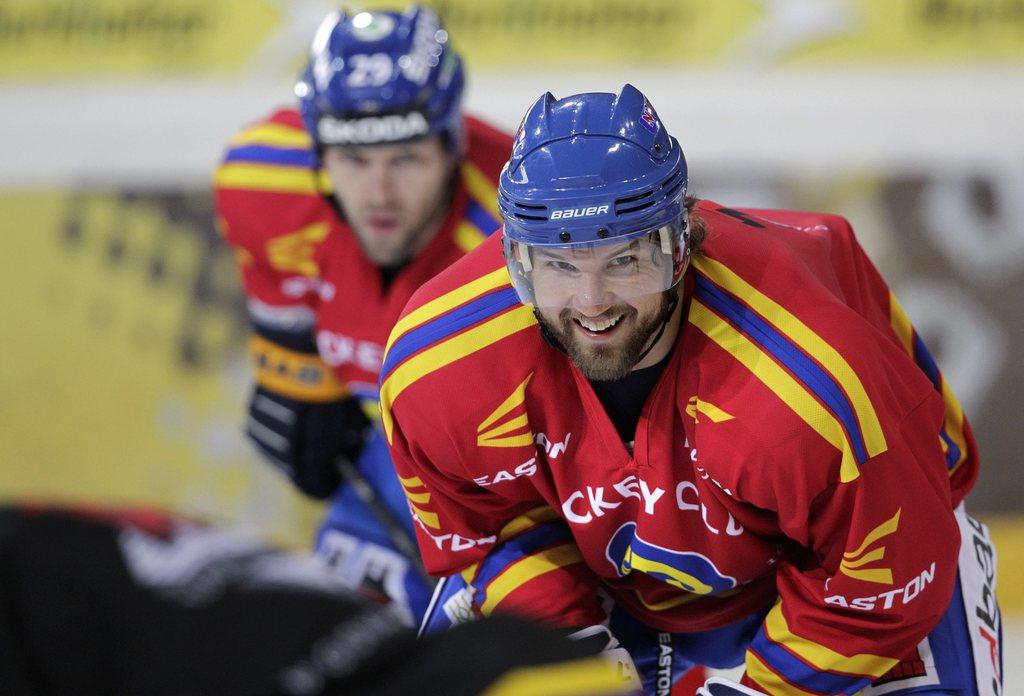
(720, 420)
(338, 210)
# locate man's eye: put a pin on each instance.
(621, 261)
(562, 266)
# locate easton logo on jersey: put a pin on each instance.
(507, 425)
(687, 570)
(854, 561)
(294, 253)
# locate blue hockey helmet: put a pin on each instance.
(595, 185)
(381, 77)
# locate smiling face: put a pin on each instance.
(394, 197)
(604, 305)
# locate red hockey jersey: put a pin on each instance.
(800, 448)
(302, 266)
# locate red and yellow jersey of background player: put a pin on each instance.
(301, 265)
(799, 448)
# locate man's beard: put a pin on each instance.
(603, 363)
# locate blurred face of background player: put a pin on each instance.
(394, 196)
(594, 302)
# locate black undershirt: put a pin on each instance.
(624, 399)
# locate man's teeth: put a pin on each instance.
(598, 324)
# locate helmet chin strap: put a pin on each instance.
(661, 329)
(548, 334)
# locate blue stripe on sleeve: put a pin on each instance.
(790, 355)
(798, 672)
(447, 324)
(261, 154)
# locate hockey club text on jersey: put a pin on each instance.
(685, 502)
(337, 349)
(591, 501)
(578, 212)
(455, 542)
(300, 286)
(885, 600)
(583, 505)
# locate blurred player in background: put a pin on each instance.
(338, 211)
(108, 601)
(720, 419)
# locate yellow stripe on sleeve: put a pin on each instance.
(411, 482)
(275, 135)
(421, 498)
(954, 422)
(808, 341)
(526, 521)
(447, 302)
(467, 236)
(481, 188)
(527, 569)
(792, 393)
(428, 518)
(274, 178)
(769, 681)
(447, 352)
(820, 657)
(901, 325)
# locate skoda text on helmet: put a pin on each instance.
(594, 176)
(381, 77)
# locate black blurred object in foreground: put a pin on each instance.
(134, 602)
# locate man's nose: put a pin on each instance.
(378, 185)
(591, 296)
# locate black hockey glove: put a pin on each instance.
(304, 439)
(300, 416)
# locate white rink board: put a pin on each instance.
(161, 131)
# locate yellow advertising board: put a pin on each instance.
(123, 377)
(130, 37)
(732, 33)
(65, 38)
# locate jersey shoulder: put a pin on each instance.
(772, 314)
(273, 155)
(488, 148)
(269, 194)
(451, 336)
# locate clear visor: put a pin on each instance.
(597, 273)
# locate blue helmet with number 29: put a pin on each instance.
(595, 187)
(381, 77)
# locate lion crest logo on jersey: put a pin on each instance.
(687, 570)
